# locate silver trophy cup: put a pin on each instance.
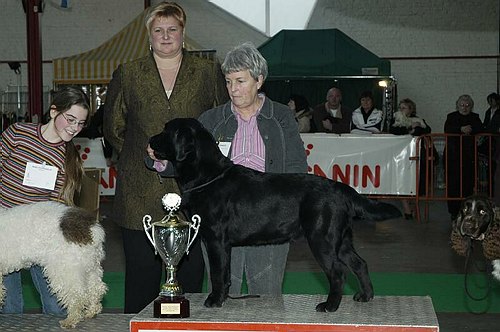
(171, 237)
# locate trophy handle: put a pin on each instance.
(146, 222)
(196, 226)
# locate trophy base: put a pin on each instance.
(171, 307)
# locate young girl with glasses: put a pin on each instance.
(45, 151)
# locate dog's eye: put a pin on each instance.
(482, 212)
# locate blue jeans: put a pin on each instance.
(14, 302)
(263, 266)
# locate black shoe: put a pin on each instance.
(408, 216)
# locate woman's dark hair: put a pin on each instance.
(65, 97)
(366, 94)
(493, 96)
(301, 102)
(62, 100)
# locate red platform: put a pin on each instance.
(296, 313)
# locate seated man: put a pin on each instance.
(332, 116)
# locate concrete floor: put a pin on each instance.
(391, 246)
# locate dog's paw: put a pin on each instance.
(327, 307)
(362, 297)
(93, 310)
(68, 323)
(212, 301)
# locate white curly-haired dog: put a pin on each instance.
(67, 242)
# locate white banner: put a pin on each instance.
(91, 151)
(372, 164)
(108, 182)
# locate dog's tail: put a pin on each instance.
(369, 209)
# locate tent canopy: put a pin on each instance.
(309, 62)
(324, 52)
(97, 65)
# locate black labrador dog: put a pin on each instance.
(242, 207)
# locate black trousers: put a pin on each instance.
(143, 270)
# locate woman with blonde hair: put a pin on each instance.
(406, 122)
(142, 96)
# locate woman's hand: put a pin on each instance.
(159, 165)
(466, 129)
(151, 153)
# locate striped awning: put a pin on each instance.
(96, 66)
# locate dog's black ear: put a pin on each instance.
(185, 146)
(457, 223)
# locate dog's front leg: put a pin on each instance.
(219, 257)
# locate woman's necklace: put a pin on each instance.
(168, 77)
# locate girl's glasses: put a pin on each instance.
(72, 121)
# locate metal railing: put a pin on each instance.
(458, 158)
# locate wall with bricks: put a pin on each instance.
(438, 49)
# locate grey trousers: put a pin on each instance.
(263, 267)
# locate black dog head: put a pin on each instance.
(177, 141)
(475, 217)
(187, 144)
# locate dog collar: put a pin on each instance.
(209, 182)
